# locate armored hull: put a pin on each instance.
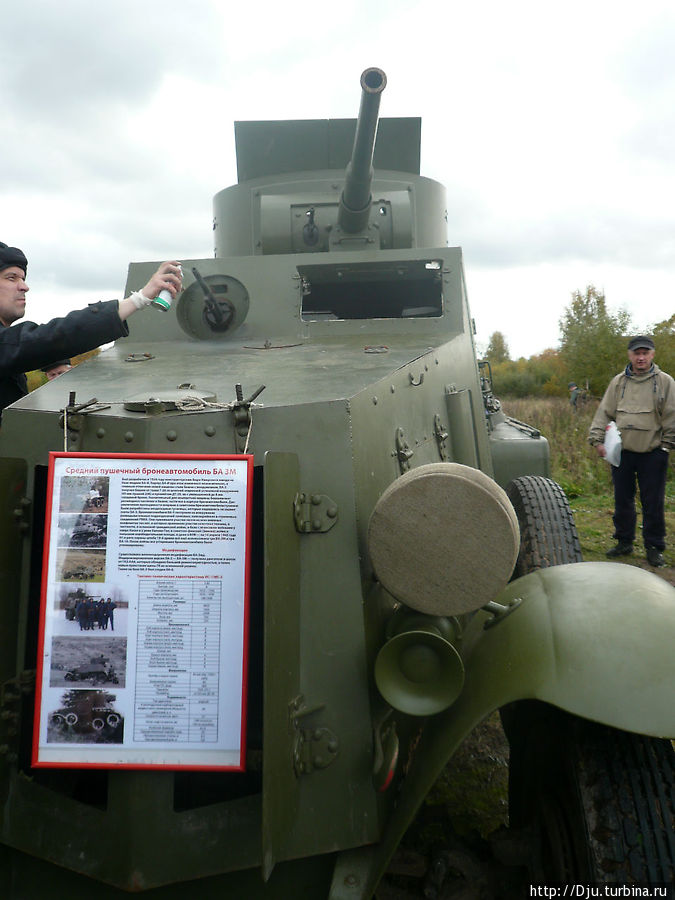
(330, 339)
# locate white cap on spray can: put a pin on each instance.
(164, 298)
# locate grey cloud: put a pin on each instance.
(74, 72)
(74, 58)
(653, 135)
(40, 158)
(645, 70)
(645, 62)
(622, 241)
(99, 256)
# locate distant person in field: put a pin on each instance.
(574, 394)
(641, 400)
(57, 368)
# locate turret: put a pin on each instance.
(294, 195)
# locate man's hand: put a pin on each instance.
(601, 450)
(168, 277)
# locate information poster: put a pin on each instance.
(143, 628)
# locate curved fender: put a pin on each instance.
(595, 639)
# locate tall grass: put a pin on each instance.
(585, 478)
(575, 465)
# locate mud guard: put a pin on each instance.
(594, 639)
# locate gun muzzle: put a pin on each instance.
(356, 198)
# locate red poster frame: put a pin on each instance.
(40, 754)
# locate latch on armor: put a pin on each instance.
(403, 452)
(441, 435)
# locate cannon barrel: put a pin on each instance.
(356, 198)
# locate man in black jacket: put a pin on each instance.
(29, 346)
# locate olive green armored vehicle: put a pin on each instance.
(413, 569)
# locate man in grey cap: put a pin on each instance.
(641, 400)
(29, 346)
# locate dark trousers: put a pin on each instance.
(650, 470)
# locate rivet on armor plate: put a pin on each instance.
(171, 435)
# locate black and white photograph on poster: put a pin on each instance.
(83, 530)
(144, 616)
(82, 494)
(85, 717)
(96, 608)
(87, 662)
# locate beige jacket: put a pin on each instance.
(643, 407)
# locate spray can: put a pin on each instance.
(164, 298)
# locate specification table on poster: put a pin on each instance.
(143, 645)
(177, 660)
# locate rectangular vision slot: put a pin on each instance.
(372, 290)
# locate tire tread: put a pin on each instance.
(627, 785)
(548, 535)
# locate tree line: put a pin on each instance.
(592, 349)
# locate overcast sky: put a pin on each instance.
(551, 125)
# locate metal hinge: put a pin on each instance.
(21, 514)
(11, 693)
(313, 748)
(441, 436)
(314, 513)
